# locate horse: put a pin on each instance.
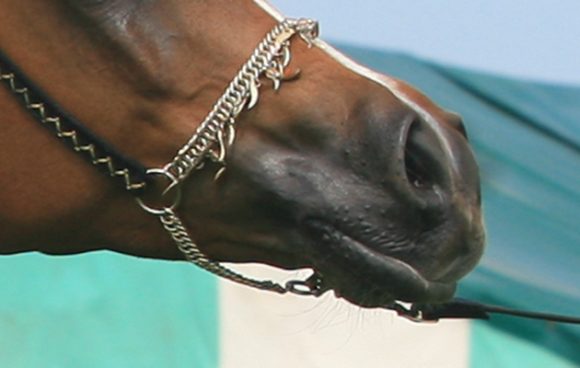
(336, 168)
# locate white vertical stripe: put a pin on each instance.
(263, 330)
(259, 329)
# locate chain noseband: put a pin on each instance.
(209, 142)
(217, 132)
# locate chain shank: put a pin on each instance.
(180, 236)
(217, 131)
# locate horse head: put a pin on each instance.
(343, 170)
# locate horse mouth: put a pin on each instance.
(366, 277)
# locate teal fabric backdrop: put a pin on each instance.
(106, 310)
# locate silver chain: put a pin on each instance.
(210, 141)
(217, 132)
(178, 232)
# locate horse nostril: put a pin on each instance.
(423, 154)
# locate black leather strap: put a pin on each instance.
(461, 308)
(130, 173)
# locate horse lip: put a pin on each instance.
(363, 276)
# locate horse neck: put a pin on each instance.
(133, 66)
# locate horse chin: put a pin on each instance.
(365, 277)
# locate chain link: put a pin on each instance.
(217, 131)
(172, 223)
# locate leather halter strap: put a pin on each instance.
(466, 309)
(127, 172)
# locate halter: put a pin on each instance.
(210, 142)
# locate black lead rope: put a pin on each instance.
(461, 308)
(46, 111)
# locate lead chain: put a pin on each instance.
(172, 223)
(216, 133)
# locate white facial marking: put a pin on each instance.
(381, 79)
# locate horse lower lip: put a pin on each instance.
(356, 269)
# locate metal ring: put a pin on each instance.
(299, 287)
(176, 201)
